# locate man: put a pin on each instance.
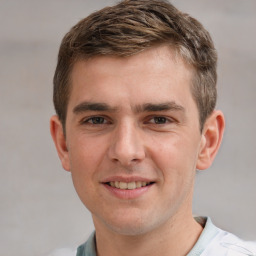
(135, 95)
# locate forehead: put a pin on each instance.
(152, 75)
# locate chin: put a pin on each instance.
(131, 226)
(130, 230)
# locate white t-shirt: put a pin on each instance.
(212, 242)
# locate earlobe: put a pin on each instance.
(60, 141)
(211, 139)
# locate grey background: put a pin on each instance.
(39, 209)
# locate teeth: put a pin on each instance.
(123, 185)
(138, 184)
(129, 185)
(117, 184)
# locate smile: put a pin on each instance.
(128, 185)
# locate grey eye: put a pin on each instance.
(97, 120)
(160, 120)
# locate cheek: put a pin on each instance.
(85, 157)
(83, 172)
(85, 152)
(176, 158)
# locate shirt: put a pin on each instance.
(212, 242)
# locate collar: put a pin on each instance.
(208, 233)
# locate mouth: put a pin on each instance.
(128, 185)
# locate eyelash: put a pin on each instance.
(91, 120)
(157, 120)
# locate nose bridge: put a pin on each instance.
(127, 145)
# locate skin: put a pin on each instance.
(134, 119)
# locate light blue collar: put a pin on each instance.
(88, 248)
(209, 232)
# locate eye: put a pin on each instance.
(160, 123)
(159, 120)
(95, 120)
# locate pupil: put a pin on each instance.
(160, 120)
(98, 120)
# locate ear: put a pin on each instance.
(211, 139)
(60, 141)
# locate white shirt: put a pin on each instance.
(212, 242)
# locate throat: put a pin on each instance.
(165, 242)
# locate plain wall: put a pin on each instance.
(39, 209)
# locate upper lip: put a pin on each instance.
(126, 179)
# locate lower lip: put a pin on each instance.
(128, 193)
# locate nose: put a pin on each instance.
(127, 145)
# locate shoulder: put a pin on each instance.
(230, 245)
(215, 241)
(237, 246)
(88, 249)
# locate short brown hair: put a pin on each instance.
(130, 27)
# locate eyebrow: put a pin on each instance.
(147, 107)
(152, 107)
(90, 106)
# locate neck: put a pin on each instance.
(175, 238)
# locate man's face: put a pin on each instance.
(133, 139)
